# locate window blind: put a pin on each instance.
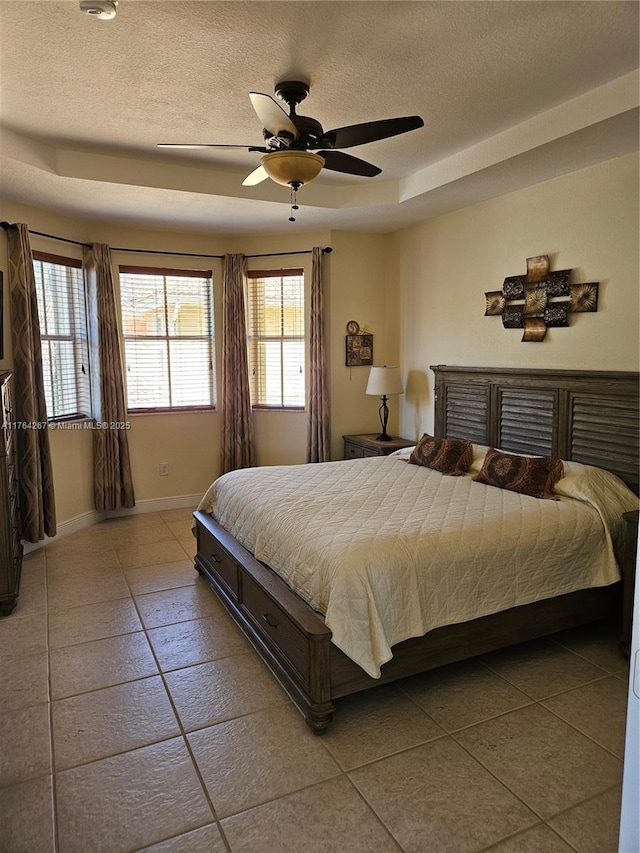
(276, 338)
(168, 330)
(62, 314)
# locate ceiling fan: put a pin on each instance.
(296, 148)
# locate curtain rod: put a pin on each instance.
(325, 251)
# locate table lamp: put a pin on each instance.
(384, 381)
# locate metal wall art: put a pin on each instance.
(540, 299)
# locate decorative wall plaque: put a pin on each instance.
(539, 300)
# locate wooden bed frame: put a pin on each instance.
(575, 415)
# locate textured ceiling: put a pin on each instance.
(511, 93)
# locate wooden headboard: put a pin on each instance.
(583, 416)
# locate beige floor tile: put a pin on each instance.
(540, 758)
(201, 640)
(593, 826)
(116, 719)
(597, 643)
(375, 724)
(541, 668)
(33, 560)
(205, 840)
(100, 663)
(75, 591)
(182, 604)
(129, 536)
(540, 839)
(182, 528)
(22, 634)
(599, 710)
(436, 797)
(161, 576)
(463, 694)
(32, 597)
(327, 818)
(189, 545)
(250, 760)
(82, 562)
(130, 801)
(91, 537)
(93, 622)
(27, 817)
(133, 556)
(25, 681)
(25, 745)
(223, 689)
(173, 516)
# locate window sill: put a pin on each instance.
(135, 413)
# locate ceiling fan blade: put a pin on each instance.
(336, 161)
(370, 131)
(256, 177)
(274, 119)
(208, 145)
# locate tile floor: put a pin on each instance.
(135, 716)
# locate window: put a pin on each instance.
(275, 330)
(167, 324)
(62, 314)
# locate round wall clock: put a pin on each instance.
(353, 327)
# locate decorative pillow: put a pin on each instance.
(446, 455)
(530, 475)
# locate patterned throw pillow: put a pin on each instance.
(535, 476)
(446, 455)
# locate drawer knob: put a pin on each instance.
(268, 618)
(215, 559)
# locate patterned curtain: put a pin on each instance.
(235, 404)
(318, 445)
(35, 474)
(112, 482)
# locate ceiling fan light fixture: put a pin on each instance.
(290, 168)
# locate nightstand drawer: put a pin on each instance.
(352, 451)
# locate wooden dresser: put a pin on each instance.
(10, 544)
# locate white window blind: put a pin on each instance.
(167, 323)
(62, 314)
(276, 338)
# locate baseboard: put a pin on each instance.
(88, 519)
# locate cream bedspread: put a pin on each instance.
(387, 550)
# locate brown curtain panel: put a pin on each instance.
(112, 481)
(35, 474)
(318, 445)
(235, 404)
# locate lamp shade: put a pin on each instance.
(292, 167)
(384, 381)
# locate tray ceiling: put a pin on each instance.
(512, 93)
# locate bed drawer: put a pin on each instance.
(218, 561)
(275, 626)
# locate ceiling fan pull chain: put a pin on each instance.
(294, 203)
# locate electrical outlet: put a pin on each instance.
(164, 469)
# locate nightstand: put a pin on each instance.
(358, 446)
(628, 567)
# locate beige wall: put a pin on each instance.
(421, 293)
(357, 285)
(587, 221)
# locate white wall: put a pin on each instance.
(587, 221)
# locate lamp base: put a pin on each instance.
(384, 437)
